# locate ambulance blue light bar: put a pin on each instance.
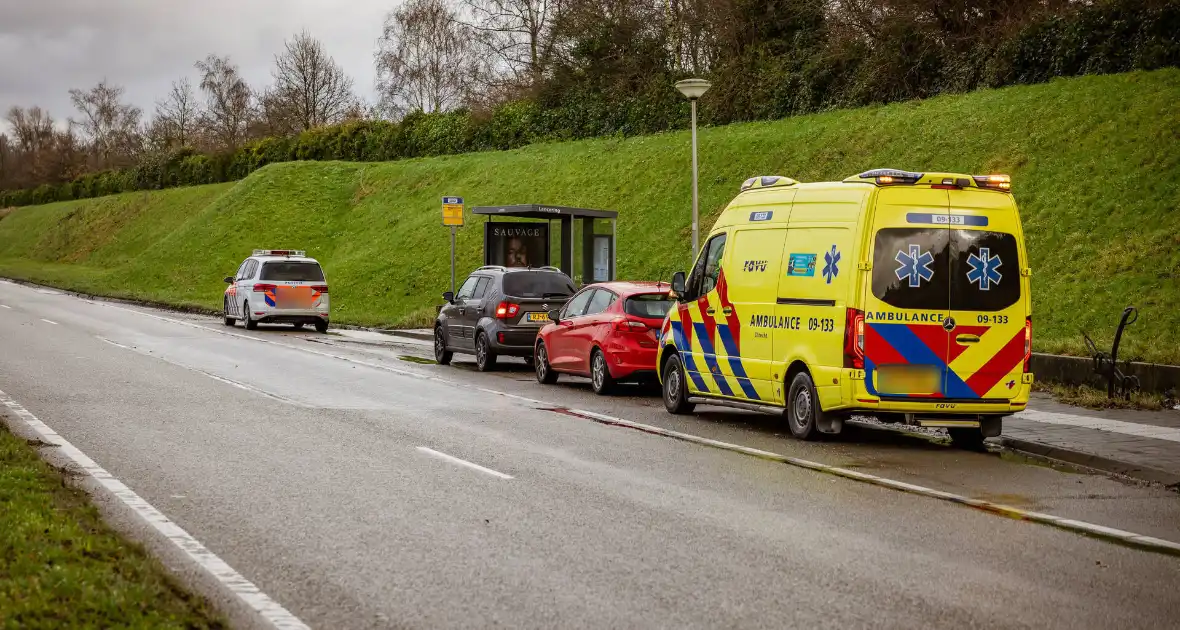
(280, 252)
(891, 176)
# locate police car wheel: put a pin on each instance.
(600, 378)
(321, 326)
(803, 411)
(545, 373)
(485, 359)
(298, 325)
(442, 356)
(676, 386)
(226, 319)
(249, 321)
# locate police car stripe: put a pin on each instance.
(711, 359)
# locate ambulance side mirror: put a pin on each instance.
(678, 283)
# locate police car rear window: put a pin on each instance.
(939, 269)
(649, 305)
(537, 284)
(291, 271)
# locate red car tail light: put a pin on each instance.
(622, 324)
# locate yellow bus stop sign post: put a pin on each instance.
(452, 216)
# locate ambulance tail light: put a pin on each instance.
(507, 310)
(1002, 183)
(262, 288)
(854, 339)
(1027, 345)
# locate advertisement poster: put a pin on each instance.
(516, 244)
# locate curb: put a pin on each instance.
(1092, 461)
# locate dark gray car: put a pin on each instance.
(498, 312)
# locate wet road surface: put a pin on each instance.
(360, 489)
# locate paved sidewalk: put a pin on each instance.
(1141, 444)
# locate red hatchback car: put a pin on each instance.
(607, 331)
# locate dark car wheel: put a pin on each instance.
(226, 319)
(545, 373)
(442, 356)
(249, 320)
(485, 359)
(676, 386)
(600, 379)
(803, 411)
(321, 326)
(298, 325)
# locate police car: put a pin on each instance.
(280, 286)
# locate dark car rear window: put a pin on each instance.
(938, 268)
(537, 284)
(649, 305)
(290, 271)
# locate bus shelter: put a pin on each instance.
(522, 236)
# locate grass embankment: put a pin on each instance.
(1094, 160)
(60, 566)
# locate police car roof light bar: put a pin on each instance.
(280, 252)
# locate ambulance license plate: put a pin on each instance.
(537, 317)
(909, 379)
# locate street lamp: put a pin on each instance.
(694, 89)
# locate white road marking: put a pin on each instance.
(270, 611)
(1102, 424)
(1140, 541)
(463, 462)
(5, 306)
(49, 321)
(227, 381)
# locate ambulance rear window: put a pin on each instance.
(985, 271)
(291, 271)
(910, 267)
(940, 269)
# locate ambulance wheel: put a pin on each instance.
(803, 411)
(485, 359)
(600, 379)
(969, 439)
(248, 321)
(321, 326)
(676, 386)
(442, 356)
(226, 319)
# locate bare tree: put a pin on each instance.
(111, 127)
(310, 88)
(177, 117)
(425, 59)
(229, 101)
(516, 36)
(33, 141)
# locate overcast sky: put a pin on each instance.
(50, 46)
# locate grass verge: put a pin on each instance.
(1093, 398)
(1094, 164)
(62, 566)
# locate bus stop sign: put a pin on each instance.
(452, 211)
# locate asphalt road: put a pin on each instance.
(334, 475)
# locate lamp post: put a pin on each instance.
(694, 89)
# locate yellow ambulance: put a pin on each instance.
(896, 294)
